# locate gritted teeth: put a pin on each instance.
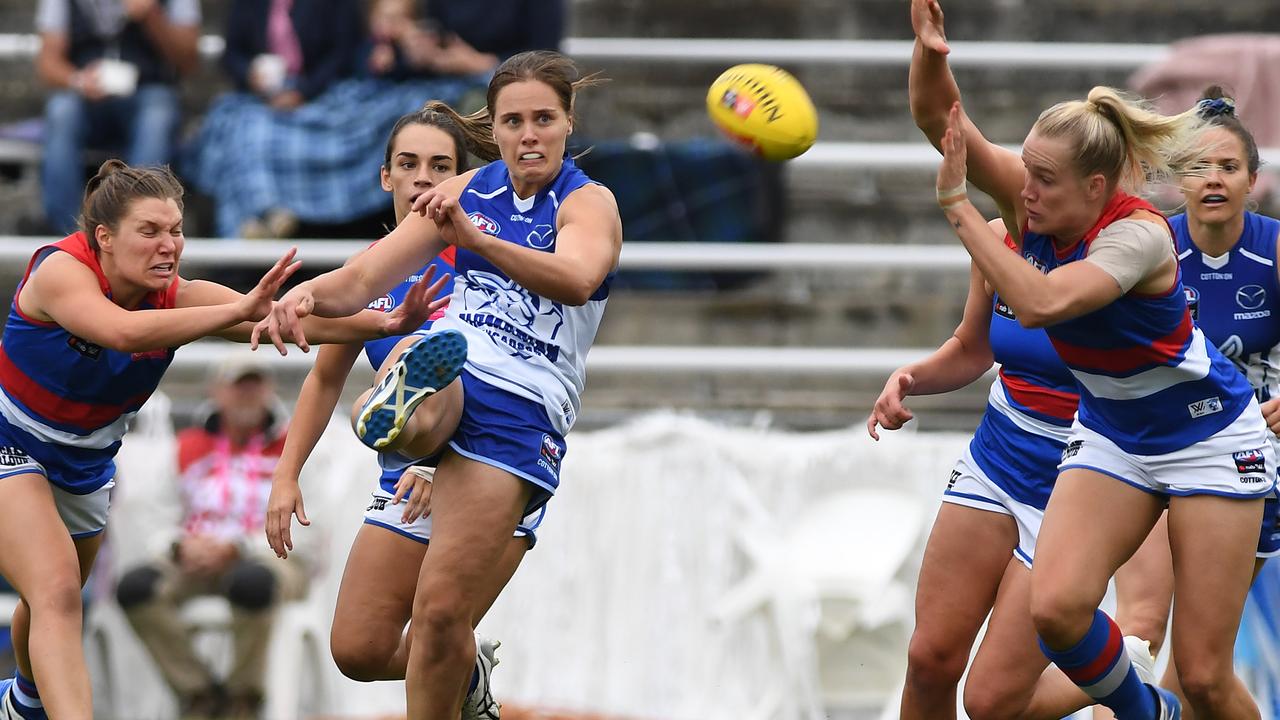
(531, 156)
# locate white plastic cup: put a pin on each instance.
(117, 77)
(270, 71)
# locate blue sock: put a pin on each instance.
(26, 698)
(1100, 666)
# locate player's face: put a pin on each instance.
(1056, 199)
(422, 157)
(531, 130)
(1216, 194)
(146, 246)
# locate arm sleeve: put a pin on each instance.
(1130, 250)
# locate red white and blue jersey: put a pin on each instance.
(518, 341)
(1029, 412)
(1235, 298)
(64, 400)
(377, 350)
(1149, 381)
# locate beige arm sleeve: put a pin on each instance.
(1130, 250)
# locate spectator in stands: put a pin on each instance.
(225, 464)
(113, 66)
(268, 171)
(459, 39)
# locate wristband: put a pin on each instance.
(953, 196)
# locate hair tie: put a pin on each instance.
(1210, 108)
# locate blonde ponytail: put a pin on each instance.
(1123, 139)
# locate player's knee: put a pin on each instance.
(251, 586)
(987, 700)
(934, 664)
(55, 596)
(1205, 682)
(138, 586)
(442, 626)
(1061, 617)
(361, 656)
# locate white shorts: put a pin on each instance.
(383, 514)
(971, 487)
(1237, 461)
(84, 515)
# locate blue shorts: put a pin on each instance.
(1269, 538)
(79, 471)
(510, 433)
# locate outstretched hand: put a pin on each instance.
(926, 21)
(420, 304)
(955, 165)
(285, 320)
(256, 304)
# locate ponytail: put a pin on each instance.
(1124, 140)
(477, 129)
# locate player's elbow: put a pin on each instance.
(126, 339)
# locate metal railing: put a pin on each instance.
(1039, 55)
(15, 251)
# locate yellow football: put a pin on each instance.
(765, 109)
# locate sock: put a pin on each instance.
(1100, 666)
(26, 698)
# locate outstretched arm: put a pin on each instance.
(933, 91)
(963, 358)
(64, 291)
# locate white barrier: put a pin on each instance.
(684, 570)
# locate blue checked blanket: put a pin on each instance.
(320, 161)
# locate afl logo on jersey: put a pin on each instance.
(1251, 297)
(541, 237)
(484, 222)
(1193, 301)
(386, 303)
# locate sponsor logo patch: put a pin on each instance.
(1251, 297)
(11, 456)
(386, 303)
(484, 222)
(379, 504)
(84, 347)
(1193, 301)
(1071, 449)
(1207, 406)
(951, 483)
(1250, 461)
(550, 454)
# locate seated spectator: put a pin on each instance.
(225, 464)
(113, 66)
(267, 171)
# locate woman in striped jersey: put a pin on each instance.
(93, 326)
(1164, 418)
